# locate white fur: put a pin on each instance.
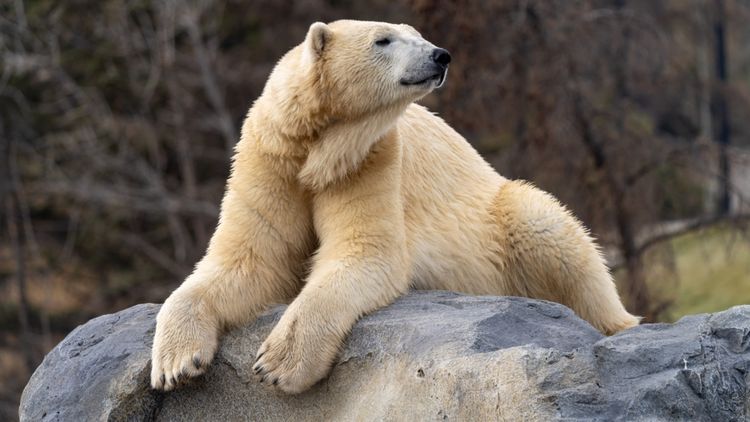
(343, 194)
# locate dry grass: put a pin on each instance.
(704, 271)
(714, 271)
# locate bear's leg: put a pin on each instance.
(255, 258)
(544, 252)
(359, 267)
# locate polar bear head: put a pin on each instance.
(377, 62)
(352, 68)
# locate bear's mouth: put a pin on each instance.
(439, 77)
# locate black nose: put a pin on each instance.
(441, 56)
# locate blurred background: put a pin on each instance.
(118, 118)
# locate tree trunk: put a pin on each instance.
(722, 111)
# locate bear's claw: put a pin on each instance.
(197, 361)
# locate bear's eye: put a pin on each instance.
(383, 42)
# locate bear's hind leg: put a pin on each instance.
(546, 253)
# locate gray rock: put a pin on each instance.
(429, 356)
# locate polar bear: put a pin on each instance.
(344, 194)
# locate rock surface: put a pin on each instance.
(429, 356)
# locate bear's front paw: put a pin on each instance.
(296, 354)
(184, 344)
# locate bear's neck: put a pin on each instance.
(339, 149)
(294, 118)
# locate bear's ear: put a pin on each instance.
(318, 36)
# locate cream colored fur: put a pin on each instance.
(343, 195)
